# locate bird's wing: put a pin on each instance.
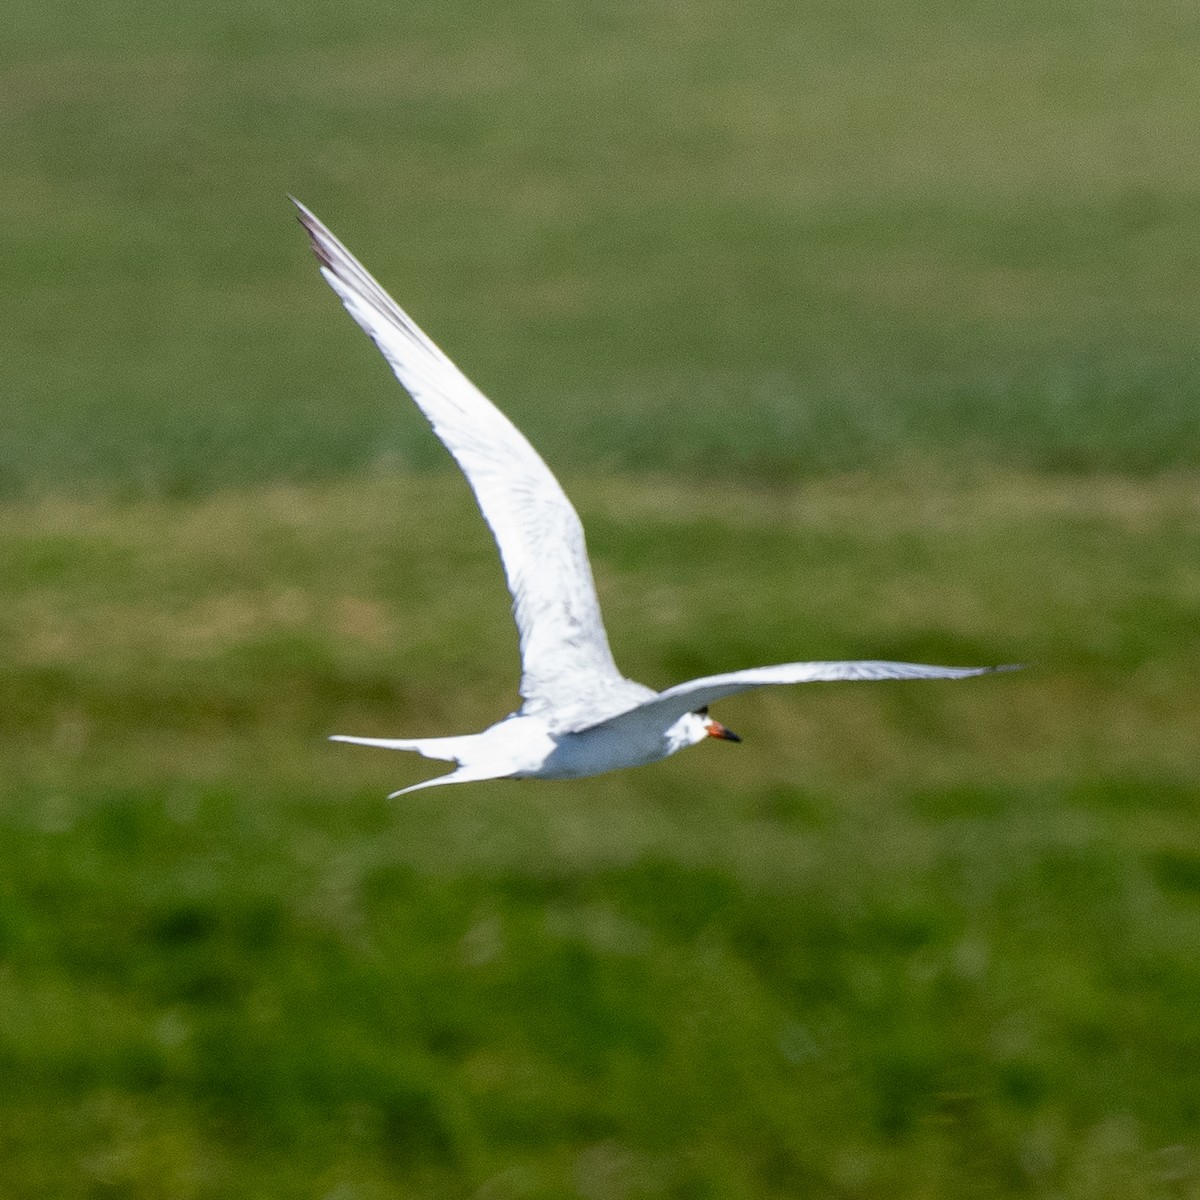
(566, 662)
(664, 709)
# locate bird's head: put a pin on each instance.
(695, 726)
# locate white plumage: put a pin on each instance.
(580, 715)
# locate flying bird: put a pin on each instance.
(580, 716)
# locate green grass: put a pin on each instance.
(906, 940)
(855, 330)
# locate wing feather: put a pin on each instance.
(664, 709)
(567, 666)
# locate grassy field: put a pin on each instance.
(854, 331)
(906, 940)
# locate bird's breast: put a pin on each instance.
(595, 751)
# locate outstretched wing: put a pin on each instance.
(567, 667)
(667, 707)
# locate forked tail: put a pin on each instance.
(449, 749)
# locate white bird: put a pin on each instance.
(580, 715)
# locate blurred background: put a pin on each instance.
(854, 330)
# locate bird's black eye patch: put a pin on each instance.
(702, 712)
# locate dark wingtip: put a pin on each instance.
(1007, 667)
(313, 228)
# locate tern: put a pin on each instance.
(580, 716)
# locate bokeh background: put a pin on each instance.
(855, 330)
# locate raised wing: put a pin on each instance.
(567, 667)
(667, 707)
